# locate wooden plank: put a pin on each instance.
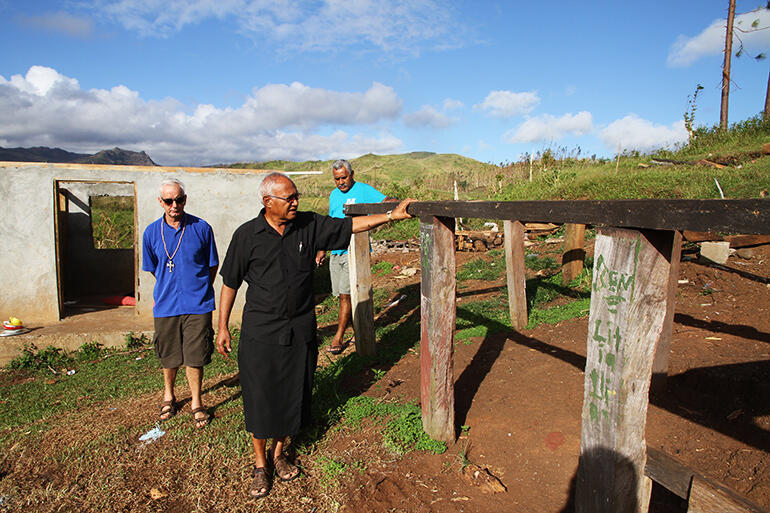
(663, 349)
(628, 307)
(516, 273)
(736, 241)
(701, 491)
(362, 301)
(745, 216)
(574, 254)
(438, 287)
(707, 496)
(742, 241)
(60, 240)
(668, 472)
(700, 236)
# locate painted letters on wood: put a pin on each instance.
(628, 307)
(515, 273)
(437, 315)
(361, 297)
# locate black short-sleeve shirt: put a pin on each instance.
(279, 270)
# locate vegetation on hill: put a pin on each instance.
(732, 157)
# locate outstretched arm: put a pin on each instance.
(365, 223)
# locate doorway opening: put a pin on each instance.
(96, 245)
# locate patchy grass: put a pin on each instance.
(403, 431)
(483, 269)
(382, 268)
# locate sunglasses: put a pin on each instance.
(179, 200)
(294, 197)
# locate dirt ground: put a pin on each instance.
(521, 396)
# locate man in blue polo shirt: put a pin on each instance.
(348, 191)
(179, 250)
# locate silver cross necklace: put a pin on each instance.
(170, 263)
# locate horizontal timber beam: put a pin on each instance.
(750, 216)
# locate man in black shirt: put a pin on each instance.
(278, 352)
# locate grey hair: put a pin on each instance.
(342, 163)
(170, 181)
(270, 184)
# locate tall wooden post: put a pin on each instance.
(361, 298)
(574, 254)
(628, 307)
(663, 348)
(437, 316)
(726, 66)
(516, 273)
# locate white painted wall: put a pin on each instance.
(225, 198)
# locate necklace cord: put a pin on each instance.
(163, 238)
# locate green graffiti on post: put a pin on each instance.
(614, 288)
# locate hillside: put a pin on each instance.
(116, 156)
(423, 175)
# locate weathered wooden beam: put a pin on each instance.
(707, 496)
(361, 298)
(703, 494)
(628, 307)
(438, 287)
(668, 472)
(663, 347)
(747, 216)
(516, 273)
(574, 254)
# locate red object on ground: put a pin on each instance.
(120, 300)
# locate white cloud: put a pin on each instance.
(711, 41)
(429, 117)
(291, 121)
(635, 133)
(60, 22)
(506, 104)
(550, 128)
(395, 26)
(450, 104)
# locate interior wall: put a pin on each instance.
(87, 271)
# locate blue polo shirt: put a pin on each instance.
(359, 193)
(188, 288)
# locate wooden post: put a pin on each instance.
(515, 273)
(361, 298)
(628, 307)
(574, 254)
(660, 362)
(437, 316)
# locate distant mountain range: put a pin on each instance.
(115, 156)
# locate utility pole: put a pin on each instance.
(726, 66)
(767, 98)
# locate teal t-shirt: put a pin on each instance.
(359, 193)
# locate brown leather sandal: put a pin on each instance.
(284, 468)
(201, 422)
(167, 409)
(260, 484)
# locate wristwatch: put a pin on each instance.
(388, 213)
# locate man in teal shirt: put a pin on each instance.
(347, 192)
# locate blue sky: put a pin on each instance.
(216, 81)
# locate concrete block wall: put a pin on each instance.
(225, 198)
